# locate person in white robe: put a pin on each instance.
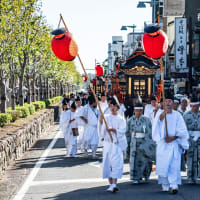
(63, 118)
(176, 104)
(81, 124)
(122, 110)
(152, 113)
(183, 106)
(150, 107)
(169, 149)
(113, 151)
(67, 122)
(103, 103)
(90, 116)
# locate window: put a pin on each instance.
(196, 46)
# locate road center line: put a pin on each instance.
(32, 175)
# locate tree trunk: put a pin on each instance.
(40, 95)
(55, 91)
(21, 83)
(3, 92)
(61, 91)
(47, 88)
(33, 88)
(29, 90)
(13, 98)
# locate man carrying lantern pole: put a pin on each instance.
(171, 137)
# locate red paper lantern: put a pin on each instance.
(63, 45)
(99, 70)
(84, 78)
(155, 42)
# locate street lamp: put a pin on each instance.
(124, 28)
(141, 4)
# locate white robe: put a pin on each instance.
(81, 127)
(103, 105)
(91, 138)
(113, 152)
(66, 127)
(122, 110)
(148, 110)
(168, 155)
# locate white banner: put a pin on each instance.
(174, 7)
(181, 43)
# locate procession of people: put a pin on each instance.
(146, 135)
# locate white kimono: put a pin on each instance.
(148, 110)
(103, 105)
(81, 126)
(66, 127)
(91, 138)
(113, 152)
(168, 155)
(122, 110)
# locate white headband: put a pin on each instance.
(194, 103)
(177, 101)
(141, 108)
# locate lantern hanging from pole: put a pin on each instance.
(84, 78)
(155, 41)
(99, 70)
(63, 45)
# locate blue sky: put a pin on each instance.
(94, 22)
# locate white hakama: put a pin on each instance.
(113, 152)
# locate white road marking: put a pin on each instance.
(95, 164)
(92, 180)
(32, 175)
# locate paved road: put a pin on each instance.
(45, 174)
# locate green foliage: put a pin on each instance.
(23, 110)
(57, 99)
(5, 118)
(39, 105)
(31, 108)
(15, 114)
(48, 102)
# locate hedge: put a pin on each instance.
(53, 100)
(15, 114)
(31, 108)
(39, 105)
(26, 110)
(5, 118)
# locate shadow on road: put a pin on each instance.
(128, 191)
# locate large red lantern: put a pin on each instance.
(63, 45)
(155, 42)
(99, 70)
